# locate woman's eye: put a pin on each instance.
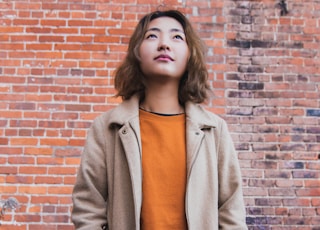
(151, 36)
(178, 37)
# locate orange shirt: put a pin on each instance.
(164, 171)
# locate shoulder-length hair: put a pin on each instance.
(129, 79)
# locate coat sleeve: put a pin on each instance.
(90, 190)
(232, 214)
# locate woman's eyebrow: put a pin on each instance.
(159, 30)
(177, 30)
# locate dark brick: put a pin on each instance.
(303, 78)
(313, 112)
(292, 147)
(296, 221)
(305, 174)
(76, 72)
(240, 11)
(278, 174)
(261, 44)
(298, 130)
(233, 76)
(294, 165)
(246, 19)
(265, 111)
(242, 146)
(256, 220)
(250, 86)
(261, 183)
(264, 165)
(297, 138)
(265, 147)
(281, 156)
(237, 94)
(294, 45)
(250, 69)
(272, 157)
(254, 211)
(267, 202)
(244, 5)
(242, 111)
(239, 44)
(298, 165)
(314, 130)
(264, 94)
(277, 78)
(268, 129)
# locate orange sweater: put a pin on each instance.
(164, 171)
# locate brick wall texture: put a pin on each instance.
(57, 59)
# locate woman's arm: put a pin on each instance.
(232, 214)
(90, 190)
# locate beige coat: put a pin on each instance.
(109, 182)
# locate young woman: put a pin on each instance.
(159, 160)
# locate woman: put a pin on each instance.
(159, 160)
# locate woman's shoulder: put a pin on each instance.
(119, 114)
(203, 114)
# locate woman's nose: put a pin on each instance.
(163, 45)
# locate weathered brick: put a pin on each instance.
(250, 86)
(239, 44)
(56, 77)
(313, 112)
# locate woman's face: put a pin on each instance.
(164, 51)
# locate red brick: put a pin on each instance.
(94, 31)
(51, 39)
(80, 23)
(53, 6)
(64, 30)
(57, 62)
(38, 46)
(60, 190)
(4, 141)
(50, 22)
(44, 199)
(48, 180)
(25, 22)
(32, 170)
(82, 39)
(53, 142)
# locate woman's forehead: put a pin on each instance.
(165, 22)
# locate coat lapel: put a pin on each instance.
(197, 119)
(130, 142)
(126, 116)
(194, 136)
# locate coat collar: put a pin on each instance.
(125, 111)
(195, 113)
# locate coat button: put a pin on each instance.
(197, 133)
(104, 227)
(124, 131)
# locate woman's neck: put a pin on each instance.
(162, 100)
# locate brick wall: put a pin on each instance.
(56, 63)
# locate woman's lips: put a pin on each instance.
(164, 57)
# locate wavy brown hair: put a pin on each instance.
(129, 79)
